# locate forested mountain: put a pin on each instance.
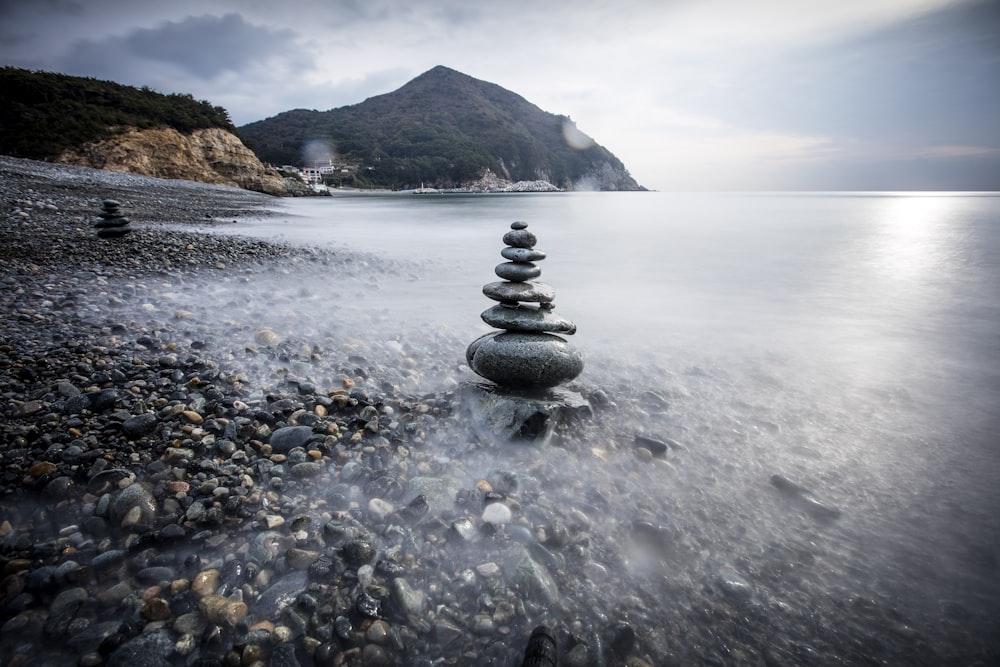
(446, 129)
(42, 114)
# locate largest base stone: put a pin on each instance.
(524, 360)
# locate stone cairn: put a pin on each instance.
(526, 354)
(110, 223)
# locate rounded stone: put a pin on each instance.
(524, 360)
(358, 552)
(521, 292)
(377, 633)
(139, 425)
(522, 254)
(379, 509)
(518, 272)
(520, 238)
(113, 232)
(222, 611)
(300, 559)
(205, 583)
(527, 319)
(133, 497)
(287, 438)
(408, 600)
(519, 224)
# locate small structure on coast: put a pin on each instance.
(110, 222)
(525, 360)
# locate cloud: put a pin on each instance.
(957, 151)
(246, 104)
(918, 77)
(200, 46)
(715, 89)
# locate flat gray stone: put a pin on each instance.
(521, 292)
(522, 254)
(518, 272)
(524, 360)
(520, 238)
(525, 318)
(525, 417)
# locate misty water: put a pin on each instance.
(847, 342)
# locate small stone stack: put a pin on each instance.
(110, 223)
(526, 354)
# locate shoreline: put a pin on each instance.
(220, 450)
(48, 211)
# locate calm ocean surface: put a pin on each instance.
(849, 341)
(883, 287)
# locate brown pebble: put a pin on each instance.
(193, 417)
(205, 583)
(5, 528)
(222, 610)
(156, 609)
(41, 468)
(178, 487)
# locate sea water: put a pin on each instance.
(847, 341)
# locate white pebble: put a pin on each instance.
(379, 509)
(496, 513)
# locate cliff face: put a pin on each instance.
(210, 155)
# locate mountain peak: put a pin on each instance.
(446, 129)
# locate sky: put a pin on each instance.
(689, 94)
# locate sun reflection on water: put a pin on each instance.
(915, 236)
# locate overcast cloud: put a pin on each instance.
(690, 94)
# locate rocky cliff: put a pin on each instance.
(210, 155)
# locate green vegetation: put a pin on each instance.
(42, 114)
(443, 128)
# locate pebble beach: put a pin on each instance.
(174, 493)
(214, 452)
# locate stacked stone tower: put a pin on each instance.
(110, 223)
(526, 353)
